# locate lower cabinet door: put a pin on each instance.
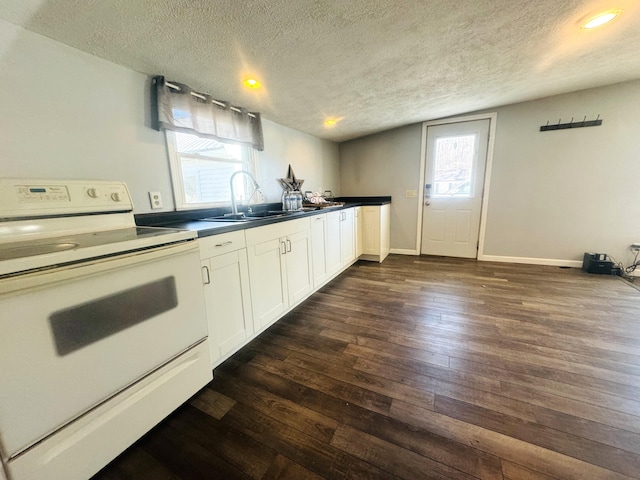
(371, 230)
(333, 242)
(347, 237)
(358, 230)
(269, 296)
(299, 268)
(318, 250)
(228, 303)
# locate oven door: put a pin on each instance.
(74, 336)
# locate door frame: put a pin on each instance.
(492, 117)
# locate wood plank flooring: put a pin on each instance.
(421, 368)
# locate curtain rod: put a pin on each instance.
(176, 87)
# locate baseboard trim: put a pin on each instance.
(552, 262)
(404, 251)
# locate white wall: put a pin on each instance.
(554, 195)
(67, 114)
(558, 194)
(386, 163)
(314, 160)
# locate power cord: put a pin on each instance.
(626, 271)
(635, 263)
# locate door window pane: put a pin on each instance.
(454, 162)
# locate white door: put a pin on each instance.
(453, 186)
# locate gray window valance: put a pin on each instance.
(182, 109)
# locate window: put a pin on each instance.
(201, 169)
(454, 163)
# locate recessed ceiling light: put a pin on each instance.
(332, 121)
(251, 83)
(600, 19)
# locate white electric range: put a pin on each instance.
(103, 328)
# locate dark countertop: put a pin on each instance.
(206, 228)
(381, 200)
(192, 219)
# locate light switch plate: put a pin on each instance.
(156, 200)
(411, 193)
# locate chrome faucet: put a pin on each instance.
(256, 187)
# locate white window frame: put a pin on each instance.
(177, 178)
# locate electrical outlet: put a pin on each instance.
(156, 200)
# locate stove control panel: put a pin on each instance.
(37, 197)
(42, 193)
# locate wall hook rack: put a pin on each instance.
(571, 124)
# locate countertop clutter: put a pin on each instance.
(263, 214)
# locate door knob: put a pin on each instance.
(427, 203)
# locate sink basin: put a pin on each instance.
(267, 214)
(229, 218)
(247, 217)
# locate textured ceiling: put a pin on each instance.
(375, 64)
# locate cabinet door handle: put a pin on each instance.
(208, 278)
(283, 248)
(288, 245)
(224, 244)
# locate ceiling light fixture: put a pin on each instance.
(332, 121)
(251, 83)
(600, 19)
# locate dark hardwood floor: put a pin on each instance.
(421, 368)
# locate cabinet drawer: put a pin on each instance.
(276, 230)
(219, 244)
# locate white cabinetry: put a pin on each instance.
(357, 212)
(347, 237)
(376, 232)
(252, 277)
(318, 250)
(226, 286)
(280, 271)
(334, 244)
(332, 241)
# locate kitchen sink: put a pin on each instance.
(268, 213)
(248, 217)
